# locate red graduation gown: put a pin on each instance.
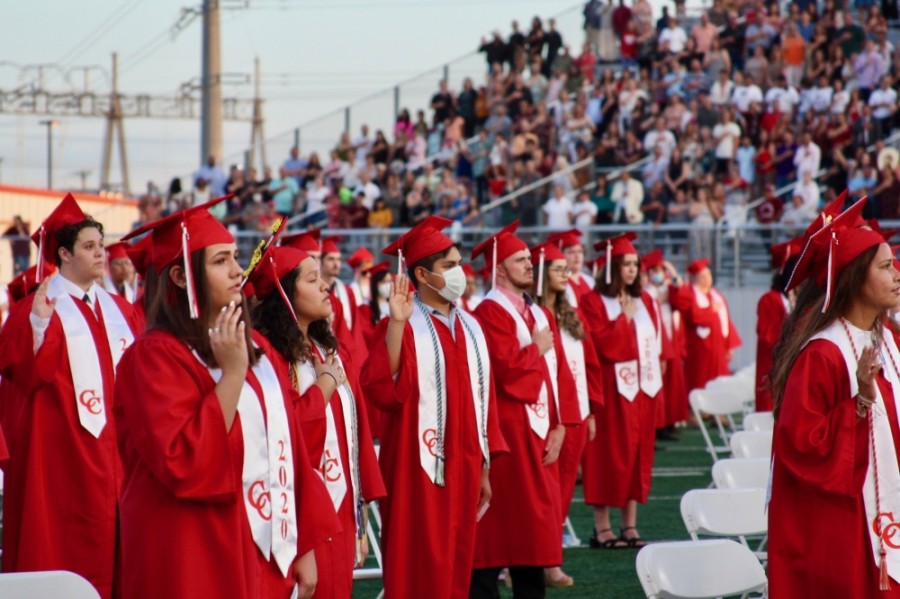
(821, 454)
(618, 464)
(522, 526)
(677, 408)
(770, 317)
(428, 532)
(62, 483)
(708, 358)
(576, 436)
(367, 329)
(183, 485)
(335, 559)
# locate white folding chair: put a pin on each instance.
(739, 513)
(759, 421)
(704, 402)
(747, 473)
(55, 584)
(751, 444)
(699, 570)
(748, 371)
(740, 387)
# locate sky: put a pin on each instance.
(316, 57)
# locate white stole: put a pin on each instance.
(888, 469)
(703, 302)
(431, 394)
(574, 349)
(358, 294)
(645, 373)
(267, 476)
(538, 412)
(87, 374)
(130, 291)
(332, 465)
(340, 290)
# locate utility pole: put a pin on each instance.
(211, 85)
(84, 175)
(50, 124)
(257, 137)
(114, 124)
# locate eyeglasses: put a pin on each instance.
(561, 270)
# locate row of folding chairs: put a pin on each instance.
(733, 511)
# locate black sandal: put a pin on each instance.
(634, 542)
(613, 543)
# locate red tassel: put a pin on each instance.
(885, 583)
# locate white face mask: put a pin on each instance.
(454, 284)
(658, 278)
(384, 290)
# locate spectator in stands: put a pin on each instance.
(295, 166)
(884, 103)
(704, 33)
(557, 210)
(20, 245)
(808, 157)
(672, 39)
(494, 50)
(727, 135)
(864, 179)
(628, 194)
(354, 214)
(654, 205)
(655, 171)
(215, 177)
(285, 193)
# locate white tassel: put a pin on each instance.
(607, 268)
(594, 269)
(494, 262)
(399, 262)
(540, 281)
(189, 273)
(829, 281)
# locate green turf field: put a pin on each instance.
(679, 467)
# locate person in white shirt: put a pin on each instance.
(820, 97)
(787, 96)
(370, 190)
(721, 90)
(628, 194)
(745, 93)
(727, 134)
(840, 98)
(362, 144)
(805, 204)
(808, 156)
(558, 209)
(584, 211)
(672, 39)
(661, 137)
(884, 102)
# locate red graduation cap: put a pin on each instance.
(652, 260)
(377, 268)
(783, 252)
(566, 239)
(697, 266)
(468, 270)
(540, 255)
(831, 248)
(502, 244)
(270, 263)
(329, 245)
(28, 280)
(179, 235)
(117, 251)
(308, 241)
(829, 212)
(595, 265)
(66, 213)
(141, 253)
(876, 226)
(423, 240)
(619, 245)
(894, 249)
(360, 257)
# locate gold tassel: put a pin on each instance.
(885, 583)
(257, 256)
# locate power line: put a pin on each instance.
(99, 32)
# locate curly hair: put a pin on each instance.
(66, 236)
(272, 318)
(566, 316)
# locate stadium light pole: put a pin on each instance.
(50, 124)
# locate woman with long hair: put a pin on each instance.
(293, 314)
(622, 319)
(575, 350)
(835, 388)
(219, 496)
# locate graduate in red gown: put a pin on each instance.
(627, 334)
(376, 308)
(771, 313)
(121, 277)
(215, 464)
(140, 253)
(470, 298)
(60, 350)
(662, 282)
(836, 390)
(430, 373)
(293, 315)
(343, 305)
(522, 529)
(572, 247)
(579, 374)
(710, 335)
(360, 261)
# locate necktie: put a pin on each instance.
(86, 299)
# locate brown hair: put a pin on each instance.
(566, 316)
(617, 283)
(168, 310)
(807, 319)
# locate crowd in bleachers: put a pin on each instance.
(712, 113)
